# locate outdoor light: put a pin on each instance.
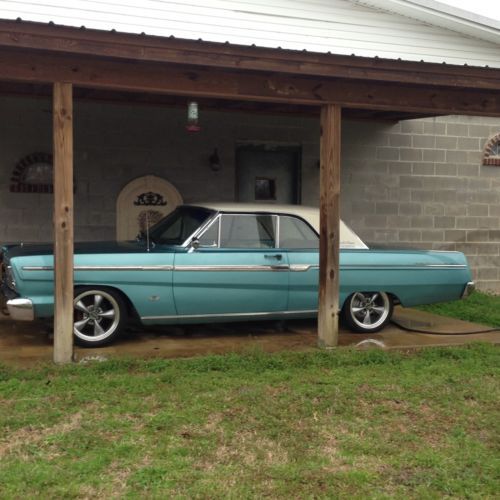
(192, 118)
(214, 161)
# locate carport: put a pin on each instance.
(70, 62)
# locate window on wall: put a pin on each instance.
(491, 153)
(33, 174)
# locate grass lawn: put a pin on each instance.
(337, 424)
(478, 308)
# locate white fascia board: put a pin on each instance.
(441, 15)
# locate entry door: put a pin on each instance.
(236, 271)
(268, 174)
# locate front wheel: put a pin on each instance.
(368, 312)
(99, 316)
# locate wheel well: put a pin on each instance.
(392, 296)
(131, 311)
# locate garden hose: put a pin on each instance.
(418, 330)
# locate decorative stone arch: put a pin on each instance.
(491, 151)
(33, 174)
(144, 201)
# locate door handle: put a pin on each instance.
(276, 256)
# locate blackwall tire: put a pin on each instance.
(99, 316)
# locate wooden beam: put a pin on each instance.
(19, 89)
(63, 222)
(249, 86)
(74, 41)
(329, 226)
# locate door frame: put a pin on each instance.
(296, 149)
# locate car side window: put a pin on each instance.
(210, 238)
(295, 233)
(248, 231)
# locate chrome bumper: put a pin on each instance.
(469, 288)
(21, 309)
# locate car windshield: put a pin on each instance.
(179, 225)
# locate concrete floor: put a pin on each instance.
(24, 344)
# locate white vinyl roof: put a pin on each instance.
(412, 30)
(348, 238)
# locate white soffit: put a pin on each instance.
(338, 26)
(445, 16)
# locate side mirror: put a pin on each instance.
(194, 244)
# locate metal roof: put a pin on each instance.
(392, 29)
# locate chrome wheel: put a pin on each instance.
(368, 311)
(97, 316)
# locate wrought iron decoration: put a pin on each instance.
(150, 199)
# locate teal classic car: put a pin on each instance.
(226, 262)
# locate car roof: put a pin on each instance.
(348, 238)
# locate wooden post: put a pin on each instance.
(63, 222)
(328, 310)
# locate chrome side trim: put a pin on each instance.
(210, 268)
(21, 309)
(103, 268)
(232, 315)
(38, 268)
(396, 266)
(283, 267)
(462, 266)
(125, 268)
(300, 268)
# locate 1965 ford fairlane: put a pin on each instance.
(226, 262)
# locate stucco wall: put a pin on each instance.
(415, 183)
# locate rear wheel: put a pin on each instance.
(368, 312)
(99, 316)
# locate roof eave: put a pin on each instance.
(442, 15)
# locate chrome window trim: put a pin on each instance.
(277, 239)
(201, 228)
(231, 315)
(206, 227)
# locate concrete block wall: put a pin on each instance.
(416, 183)
(420, 184)
(116, 143)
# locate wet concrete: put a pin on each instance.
(25, 344)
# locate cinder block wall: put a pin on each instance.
(416, 183)
(420, 183)
(116, 143)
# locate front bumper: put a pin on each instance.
(21, 309)
(469, 288)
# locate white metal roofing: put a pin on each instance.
(412, 30)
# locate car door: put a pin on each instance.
(300, 243)
(235, 271)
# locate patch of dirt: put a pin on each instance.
(32, 435)
(245, 448)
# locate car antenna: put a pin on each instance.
(147, 231)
